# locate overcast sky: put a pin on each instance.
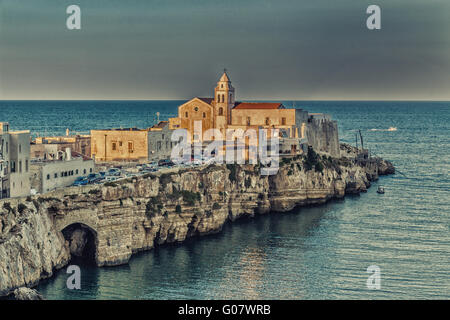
(177, 49)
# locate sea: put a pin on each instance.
(317, 252)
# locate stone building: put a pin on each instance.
(77, 143)
(60, 170)
(14, 162)
(132, 144)
(223, 112)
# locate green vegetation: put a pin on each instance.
(233, 172)
(36, 204)
(312, 161)
(153, 205)
(190, 197)
(216, 206)
(7, 206)
(110, 184)
(21, 207)
(165, 178)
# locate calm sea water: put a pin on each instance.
(312, 253)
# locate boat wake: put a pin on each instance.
(390, 129)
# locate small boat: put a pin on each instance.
(380, 190)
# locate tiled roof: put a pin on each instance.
(207, 100)
(258, 105)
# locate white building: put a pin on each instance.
(59, 170)
(14, 162)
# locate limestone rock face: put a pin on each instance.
(30, 246)
(78, 240)
(27, 294)
(140, 213)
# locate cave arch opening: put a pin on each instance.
(83, 243)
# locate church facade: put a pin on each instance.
(223, 112)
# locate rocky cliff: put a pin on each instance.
(39, 234)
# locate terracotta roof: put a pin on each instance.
(207, 100)
(258, 105)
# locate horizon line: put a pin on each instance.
(308, 100)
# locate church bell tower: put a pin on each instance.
(224, 98)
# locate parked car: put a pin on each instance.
(81, 181)
(94, 177)
(113, 172)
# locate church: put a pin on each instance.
(297, 127)
(223, 112)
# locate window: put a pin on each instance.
(56, 175)
(84, 171)
(120, 143)
(20, 166)
(186, 114)
(163, 136)
(204, 114)
(130, 147)
(26, 165)
(76, 171)
(220, 111)
(62, 174)
(196, 109)
(248, 121)
(114, 147)
(90, 170)
(20, 148)
(48, 177)
(13, 166)
(267, 121)
(159, 145)
(7, 147)
(283, 121)
(223, 98)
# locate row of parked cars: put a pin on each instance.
(118, 173)
(97, 178)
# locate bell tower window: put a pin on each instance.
(220, 111)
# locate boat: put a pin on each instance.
(380, 190)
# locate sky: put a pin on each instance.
(272, 49)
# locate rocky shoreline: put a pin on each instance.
(39, 234)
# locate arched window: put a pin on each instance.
(186, 114)
(220, 111)
(267, 121)
(204, 114)
(223, 98)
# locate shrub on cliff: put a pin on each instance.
(7, 206)
(233, 172)
(312, 159)
(21, 207)
(190, 197)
